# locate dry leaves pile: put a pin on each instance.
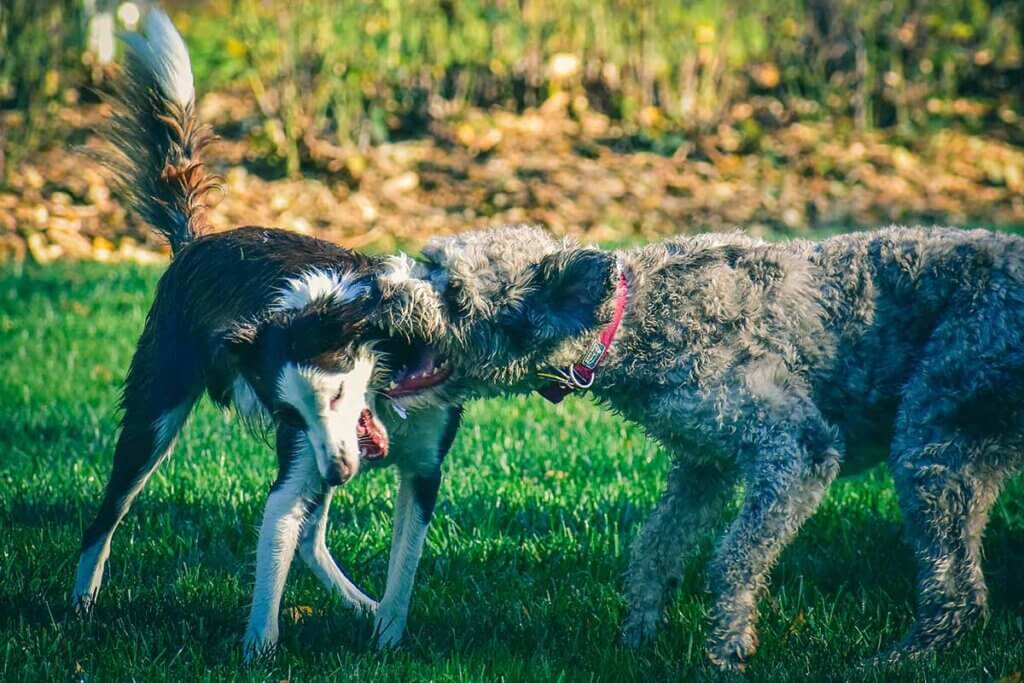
(573, 173)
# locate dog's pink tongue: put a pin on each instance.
(373, 439)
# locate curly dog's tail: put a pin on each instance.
(155, 136)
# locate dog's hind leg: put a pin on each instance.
(298, 490)
(785, 481)
(156, 403)
(957, 439)
(314, 552)
(947, 490)
(691, 504)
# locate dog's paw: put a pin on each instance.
(389, 639)
(258, 648)
(728, 661)
(732, 652)
(639, 629)
(892, 658)
(388, 631)
(81, 605)
(367, 608)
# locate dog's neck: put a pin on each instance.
(580, 374)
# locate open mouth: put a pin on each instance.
(424, 371)
(373, 440)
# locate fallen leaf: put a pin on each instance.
(101, 373)
(300, 612)
(795, 625)
(401, 184)
(102, 248)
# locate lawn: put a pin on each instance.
(521, 577)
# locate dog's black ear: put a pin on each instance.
(320, 329)
(241, 334)
(315, 331)
(232, 350)
(566, 289)
(237, 343)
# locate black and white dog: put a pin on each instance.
(272, 323)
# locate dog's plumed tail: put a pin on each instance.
(155, 137)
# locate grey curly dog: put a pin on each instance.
(774, 366)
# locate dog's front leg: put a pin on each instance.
(314, 552)
(298, 489)
(784, 485)
(421, 445)
(690, 506)
(417, 494)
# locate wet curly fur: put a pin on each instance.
(774, 366)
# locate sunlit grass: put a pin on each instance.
(521, 578)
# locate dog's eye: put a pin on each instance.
(336, 398)
(287, 415)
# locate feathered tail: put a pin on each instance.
(156, 138)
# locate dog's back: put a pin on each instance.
(899, 301)
(853, 315)
(224, 277)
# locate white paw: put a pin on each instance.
(389, 630)
(82, 603)
(367, 607)
(258, 646)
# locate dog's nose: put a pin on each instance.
(337, 473)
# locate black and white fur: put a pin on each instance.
(266, 321)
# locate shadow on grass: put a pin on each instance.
(468, 603)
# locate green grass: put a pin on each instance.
(522, 573)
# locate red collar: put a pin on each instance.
(580, 375)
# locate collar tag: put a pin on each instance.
(593, 355)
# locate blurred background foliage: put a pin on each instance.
(40, 63)
(373, 71)
(370, 72)
(377, 124)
